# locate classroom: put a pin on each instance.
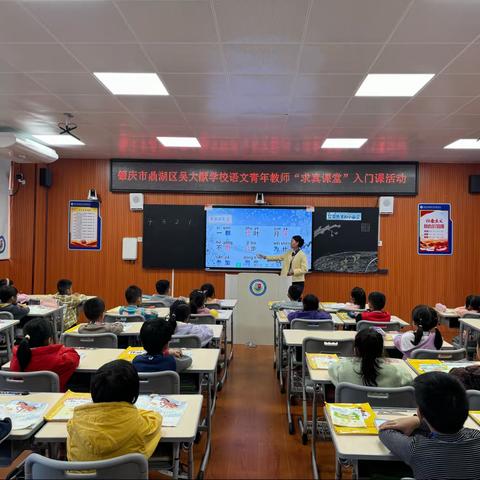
(238, 239)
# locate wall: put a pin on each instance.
(39, 215)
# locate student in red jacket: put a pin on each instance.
(37, 352)
(375, 312)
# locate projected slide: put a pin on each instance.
(236, 235)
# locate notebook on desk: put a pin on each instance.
(352, 418)
(321, 361)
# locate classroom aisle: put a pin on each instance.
(250, 434)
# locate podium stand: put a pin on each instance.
(253, 319)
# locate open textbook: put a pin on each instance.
(63, 409)
(24, 414)
(321, 361)
(131, 352)
(352, 418)
(170, 409)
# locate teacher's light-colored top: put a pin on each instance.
(299, 264)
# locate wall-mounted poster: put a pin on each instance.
(435, 229)
(84, 225)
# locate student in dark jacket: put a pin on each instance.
(469, 376)
(8, 299)
(155, 335)
(310, 310)
(375, 312)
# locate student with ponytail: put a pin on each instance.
(37, 352)
(426, 336)
(179, 317)
(368, 366)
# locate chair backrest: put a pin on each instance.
(91, 340)
(115, 317)
(202, 319)
(41, 381)
(165, 383)
(448, 355)
(473, 397)
(375, 396)
(131, 466)
(154, 303)
(6, 316)
(185, 341)
(343, 348)
(387, 326)
(472, 315)
(303, 324)
(215, 306)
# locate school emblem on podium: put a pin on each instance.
(3, 244)
(257, 287)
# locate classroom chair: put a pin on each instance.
(154, 303)
(202, 319)
(115, 317)
(446, 355)
(131, 466)
(473, 397)
(387, 326)
(304, 324)
(6, 316)
(41, 381)
(185, 341)
(165, 383)
(96, 340)
(403, 397)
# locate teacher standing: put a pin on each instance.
(294, 262)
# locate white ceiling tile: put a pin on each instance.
(35, 103)
(470, 122)
(261, 21)
(358, 121)
(81, 21)
(261, 59)
(93, 103)
(433, 105)
(5, 67)
(337, 58)
(217, 120)
(204, 104)
(327, 85)
(187, 58)
(343, 132)
(164, 119)
(414, 121)
(111, 57)
(269, 85)
(39, 58)
(318, 105)
(160, 130)
(16, 25)
(214, 131)
(262, 121)
(415, 58)
(195, 84)
(18, 83)
(146, 103)
(452, 86)
(171, 21)
(375, 105)
(104, 119)
(69, 83)
(260, 104)
(353, 20)
(468, 61)
(471, 108)
(317, 121)
(440, 21)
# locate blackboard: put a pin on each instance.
(174, 236)
(345, 239)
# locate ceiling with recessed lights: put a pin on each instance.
(250, 79)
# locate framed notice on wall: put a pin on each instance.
(84, 225)
(435, 229)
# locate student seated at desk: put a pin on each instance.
(294, 302)
(64, 296)
(209, 290)
(468, 308)
(310, 310)
(8, 282)
(112, 425)
(197, 304)
(358, 299)
(375, 312)
(163, 293)
(179, 315)
(9, 303)
(368, 365)
(37, 352)
(94, 310)
(426, 336)
(469, 376)
(133, 296)
(435, 444)
(155, 335)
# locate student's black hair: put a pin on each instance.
(155, 334)
(310, 302)
(442, 401)
(359, 296)
(6, 282)
(468, 300)
(475, 303)
(115, 381)
(7, 292)
(299, 240)
(377, 300)
(132, 294)
(63, 285)
(369, 348)
(197, 300)
(295, 293)
(37, 332)
(208, 289)
(162, 287)
(426, 319)
(94, 308)
(179, 311)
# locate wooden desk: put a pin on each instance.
(468, 325)
(162, 312)
(7, 327)
(352, 322)
(54, 314)
(228, 303)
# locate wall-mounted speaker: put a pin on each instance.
(45, 178)
(385, 205)
(474, 184)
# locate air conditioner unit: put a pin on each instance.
(23, 150)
